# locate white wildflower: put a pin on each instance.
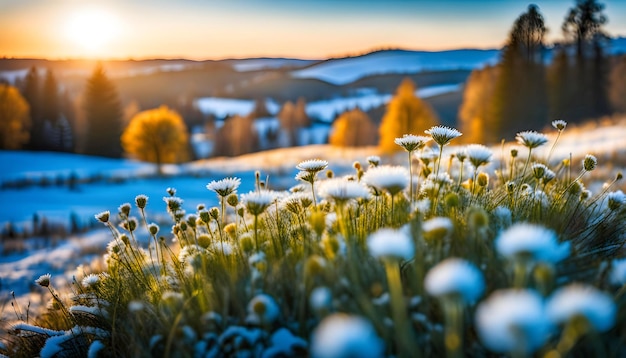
(103, 217)
(615, 200)
(312, 165)
(578, 300)
(90, 280)
(512, 320)
(393, 179)
(43, 280)
(343, 336)
(263, 309)
(342, 190)
(559, 124)
(389, 243)
(455, 277)
(478, 154)
(411, 142)
(373, 160)
(439, 226)
(321, 299)
(531, 241)
(224, 187)
(442, 135)
(257, 201)
(531, 139)
(590, 162)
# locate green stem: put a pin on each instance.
(404, 343)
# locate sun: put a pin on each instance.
(92, 29)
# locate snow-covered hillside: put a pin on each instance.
(345, 70)
(325, 110)
(257, 64)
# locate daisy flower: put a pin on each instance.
(393, 179)
(312, 165)
(342, 190)
(224, 187)
(478, 154)
(43, 280)
(531, 241)
(389, 243)
(578, 300)
(442, 135)
(257, 201)
(531, 139)
(559, 124)
(340, 335)
(512, 320)
(411, 142)
(455, 277)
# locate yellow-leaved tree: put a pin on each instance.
(353, 128)
(14, 118)
(158, 136)
(406, 114)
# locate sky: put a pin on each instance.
(312, 29)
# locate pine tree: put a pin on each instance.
(50, 98)
(14, 118)
(618, 84)
(32, 94)
(583, 24)
(158, 136)
(103, 116)
(405, 114)
(520, 100)
(353, 128)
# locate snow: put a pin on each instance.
(223, 107)
(257, 64)
(346, 70)
(325, 110)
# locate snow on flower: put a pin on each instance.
(578, 300)
(510, 318)
(257, 201)
(224, 187)
(341, 190)
(559, 124)
(90, 280)
(615, 199)
(442, 135)
(532, 240)
(455, 277)
(478, 154)
(389, 243)
(531, 139)
(590, 162)
(103, 217)
(373, 160)
(312, 165)
(343, 336)
(439, 226)
(411, 142)
(390, 178)
(43, 280)
(262, 309)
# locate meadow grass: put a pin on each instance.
(447, 257)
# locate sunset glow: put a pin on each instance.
(92, 29)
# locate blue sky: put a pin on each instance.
(202, 29)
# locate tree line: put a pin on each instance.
(523, 91)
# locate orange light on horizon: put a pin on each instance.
(91, 30)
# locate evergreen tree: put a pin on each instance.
(14, 119)
(405, 114)
(260, 109)
(50, 99)
(353, 128)
(520, 100)
(583, 25)
(103, 116)
(32, 94)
